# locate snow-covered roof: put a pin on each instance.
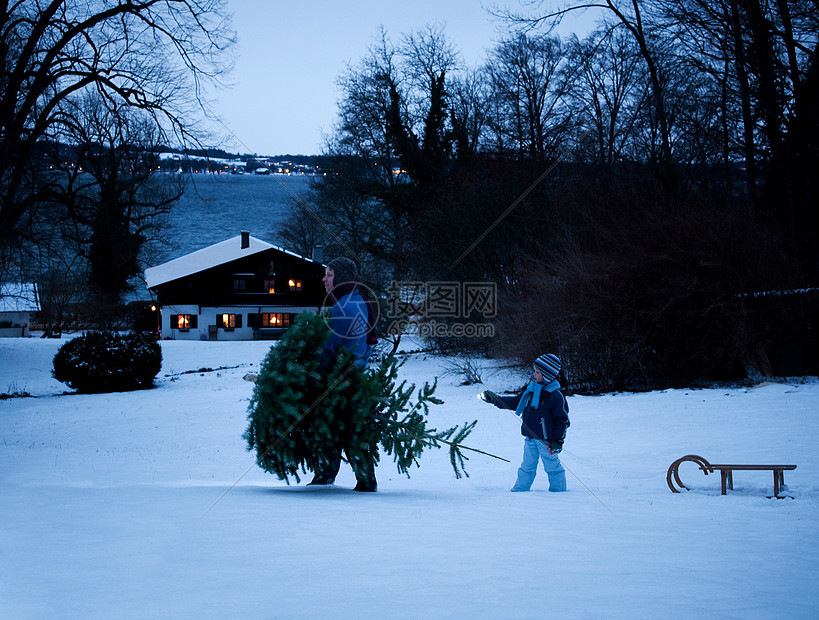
(207, 258)
(19, 297)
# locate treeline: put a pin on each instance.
(643, 199)
(640, 198)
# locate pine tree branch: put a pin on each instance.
(433, 440)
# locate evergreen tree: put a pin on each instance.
(300, 411)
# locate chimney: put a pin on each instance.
(245, 239)
(318, 254)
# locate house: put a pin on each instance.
(17, 302)
(240, 289)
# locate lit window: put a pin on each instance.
(228, 321)
(183, 321)
(270, 286)
(295, 285)
(278, 319)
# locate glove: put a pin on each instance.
(555, 447)
(490, 397)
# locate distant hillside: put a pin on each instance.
(322, 161)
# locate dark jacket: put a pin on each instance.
(548, 421)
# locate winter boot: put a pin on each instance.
(364, 471)
(321, 479)
(366, 486)
(328, 474)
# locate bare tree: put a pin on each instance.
(154, 55)
(393, 125)
(362, 128)
(526, 75)
(469, 110)
(113, 191)
(638, 19)
(762, 55)
(607, 92)
(425, 151)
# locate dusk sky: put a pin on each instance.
(290, 54)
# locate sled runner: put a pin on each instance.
(726, 473)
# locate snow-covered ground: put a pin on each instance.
(147, 505)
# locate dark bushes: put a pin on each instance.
(648, 292)
(108, 362)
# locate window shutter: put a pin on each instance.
(194, 321)
(174, 321)
(238, 321)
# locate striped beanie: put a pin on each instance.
(549, 366)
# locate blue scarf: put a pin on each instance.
(532, 393)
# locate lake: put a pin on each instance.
(216, 207)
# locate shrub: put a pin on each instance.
(108, 362)
(467, 368)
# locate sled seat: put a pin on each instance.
(726, 473)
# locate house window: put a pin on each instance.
(229, 321)
(238, 284)
(279, 319)
(270, 286)
(295, 285)
(183, 321)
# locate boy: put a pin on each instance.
(544, 415)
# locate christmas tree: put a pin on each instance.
(300, 411)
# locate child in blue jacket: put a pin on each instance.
(544, 415)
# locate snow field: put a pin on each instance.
(147, 505)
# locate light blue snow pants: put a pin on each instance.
(532, 450)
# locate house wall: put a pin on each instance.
(19, 324)
(206, 324)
